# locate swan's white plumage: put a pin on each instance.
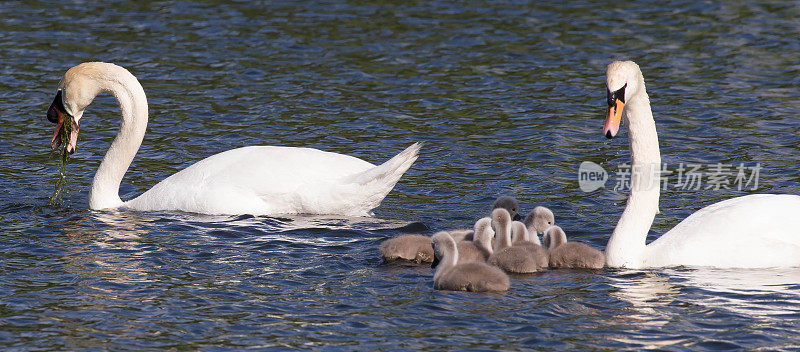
(754, 231)
(275, 180)
(259, 180)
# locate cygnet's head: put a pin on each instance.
(624, 82)
(508, 203)
(553, 237)
(501, 220)
(539, 220)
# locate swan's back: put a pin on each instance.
(753, 231)
(274, 180)
(413, 248)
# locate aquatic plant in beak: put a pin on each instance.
(62, 141)
(61, 182)
(66, 124)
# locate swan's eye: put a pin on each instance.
(613, 96)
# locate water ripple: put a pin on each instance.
(508, 98)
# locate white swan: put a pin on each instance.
(259, 180)
(754, 231)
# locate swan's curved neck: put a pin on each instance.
(133, 105)
(628, 242)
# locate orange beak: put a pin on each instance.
(611, 127)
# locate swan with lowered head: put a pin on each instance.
(258, 180)
(753, 231)
(510, 258)
(575, 255)
(471, 276)
(412, 248)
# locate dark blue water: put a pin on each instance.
(508, 98)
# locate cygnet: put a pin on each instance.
(413, 248)
(470, 276)
(539, 220)
(520, 237)
(479, 249)
(574, 255)
(512, 259)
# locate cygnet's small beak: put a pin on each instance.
(611, 127)
(517, 217)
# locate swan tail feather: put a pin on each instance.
(390, 171)
(377, 182)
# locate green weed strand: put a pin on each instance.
(57, 199)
